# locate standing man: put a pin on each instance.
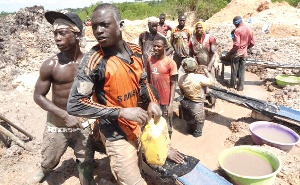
(162, 74)
(58, 72)
(192, 87)
(180, 37)
(88, 22)
(243, 40)
(163, 28)
(203, 47)
(146, 39)
(107, 88)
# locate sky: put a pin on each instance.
(15, 5)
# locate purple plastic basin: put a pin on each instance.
(277, 129)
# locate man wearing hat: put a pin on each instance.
(243, 40)
(62, 130)
(204, 48)
(192, 87)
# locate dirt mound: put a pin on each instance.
(89, 32)
(25, 41)
(244, 8)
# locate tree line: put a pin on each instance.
(141, 9)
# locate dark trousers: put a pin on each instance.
(238, 71)
(178, 59)
(194, 115)
(211, 99)
(164, 109)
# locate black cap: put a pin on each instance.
(51, 16)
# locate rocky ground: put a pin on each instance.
(26, 40)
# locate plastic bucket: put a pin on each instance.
(252, 180)
(259, 140)
(283, 80)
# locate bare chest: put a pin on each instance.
(64, 74)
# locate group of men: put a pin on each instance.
(107, 83)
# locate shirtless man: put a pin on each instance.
(62, 130)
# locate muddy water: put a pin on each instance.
(274, 134)
(216, 127)
(247, 164)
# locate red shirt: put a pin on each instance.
(159, 72)
(243, 37)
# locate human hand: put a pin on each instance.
(170, 110)
(134, 114)
(71, 121)
(202, 68)
(209, 67)
(175, 156)
(154, 110)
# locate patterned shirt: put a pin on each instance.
(179, 40)
(106, 83)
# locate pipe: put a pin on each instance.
(17, 127)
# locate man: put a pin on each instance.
(88, 22)
(203, 47)
(106, 88)
(57, 72)
(146, 39)
(162, 74)
(243, 40)
(180, 37)
(162, 27)
(192, 88)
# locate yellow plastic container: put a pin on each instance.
(155, 142)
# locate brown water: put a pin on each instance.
(247, 164)
(273, 134)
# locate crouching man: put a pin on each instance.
(192, 87)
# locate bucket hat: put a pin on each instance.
(189, 64)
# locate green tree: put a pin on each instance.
(291, 2)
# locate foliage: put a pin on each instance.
(140, 10)
(204, 8)
(291, 2)
(2, 14)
